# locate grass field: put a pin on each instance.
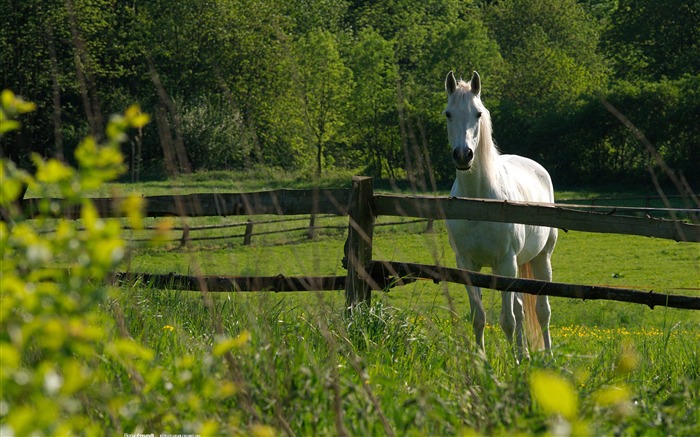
(407, 364)
(182, 362)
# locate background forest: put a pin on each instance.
(317, 86)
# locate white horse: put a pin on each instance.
(508, 248)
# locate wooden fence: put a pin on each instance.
(362, 206)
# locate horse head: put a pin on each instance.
(463, 113)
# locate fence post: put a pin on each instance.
(359, 244)
(248, 233)
(185, 235)
(311, 233)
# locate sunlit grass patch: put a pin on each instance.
(607, 333)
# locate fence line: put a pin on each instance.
(550, 215)
(224, 226)
(360, 240)
(278, 283)
(389, 274)
(335, 202)
(537, 287)
(614, 208)
(647, 199)
(274, 202)
(362, 206)
(249, 233)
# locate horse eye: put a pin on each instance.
(478, 115)
(448, 115)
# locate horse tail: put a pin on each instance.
(533, 331)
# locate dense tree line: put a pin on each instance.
(315, 85)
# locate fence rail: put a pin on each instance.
(274, 202)
(388, 274)
(336, 202)
(537, 287)
(551, 215)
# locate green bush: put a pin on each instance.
(68, 362)
(215, 136)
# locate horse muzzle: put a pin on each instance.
(463, 157)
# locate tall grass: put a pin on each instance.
(407, 364)
(415, 370)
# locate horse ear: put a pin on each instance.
(450, 83)
(476, 83)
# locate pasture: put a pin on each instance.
(132, 358)
(407, 364)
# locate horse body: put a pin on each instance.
(488, 242)
(508, 248)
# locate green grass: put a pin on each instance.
(223, 181)
(407, 364)
(583, 258)
(409, 360)
(416, 367)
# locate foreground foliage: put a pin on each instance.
(69, 364)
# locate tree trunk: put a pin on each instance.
(319, 155)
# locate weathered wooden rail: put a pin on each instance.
(383, 275)
(535, 214)
(337, 202)
(275, 202)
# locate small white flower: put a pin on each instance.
(52, 382)
(38, 253)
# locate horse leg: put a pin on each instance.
(512, 313)
(478, 315)
(542, 269)
(544, 313)
(520, 338)
(507, 317)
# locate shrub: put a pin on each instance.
(68, 363)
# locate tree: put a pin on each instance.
(373, 115)
(550, 48)
(240, 83)
(48, 56)
(323, 85)
(648, 38)
(306, 16)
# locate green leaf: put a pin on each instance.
(226, 344)
(53, 171)
(133, 207)
(127, 348)
(136, 118)
(554, 394)
(91, 219)
(85, 152)
(13, 105)
(9, 191)
(8, 125)
(210, 427)
(612, 396)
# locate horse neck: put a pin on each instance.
(481, 180)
